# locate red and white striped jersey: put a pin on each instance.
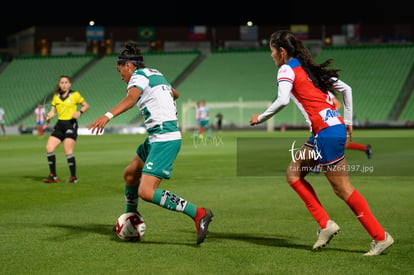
(316, 106)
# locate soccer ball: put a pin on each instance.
(130, 226)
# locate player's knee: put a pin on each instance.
(145, 193)
(291, 177)
(131, 178)
(50, 149)
(292, 174)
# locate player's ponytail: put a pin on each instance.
(131, 53)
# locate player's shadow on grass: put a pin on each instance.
(35, 178)
(78, 231)
(270, 241)
(256, 239)
(74, 231)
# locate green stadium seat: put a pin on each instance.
(27, 81)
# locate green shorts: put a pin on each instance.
(204, 123)
(158, 157)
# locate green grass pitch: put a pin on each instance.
(260, 225)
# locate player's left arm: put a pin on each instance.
(84, 108)
(349, 129)
(175, 94)
(346, 92)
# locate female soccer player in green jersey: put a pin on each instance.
(148, 89)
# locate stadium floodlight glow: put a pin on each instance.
(91, 23)
(249, 23)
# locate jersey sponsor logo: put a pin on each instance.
(328, 114)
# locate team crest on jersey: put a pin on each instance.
(149, 165)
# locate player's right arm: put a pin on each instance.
(51, 114)
(125, 104)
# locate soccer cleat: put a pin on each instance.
(202, 223)
(51, 178)
(369, 151)
(73, 180)
(377, 247)
(326, 235)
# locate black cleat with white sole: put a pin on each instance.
(202, 226)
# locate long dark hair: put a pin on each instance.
(131, 53)
(57, 90)
(318, 73)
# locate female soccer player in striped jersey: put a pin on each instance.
(148, 89)
(307, 84)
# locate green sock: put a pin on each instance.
(131, 198)
(171, 201)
